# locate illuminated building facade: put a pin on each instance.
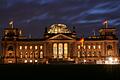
(58, 44)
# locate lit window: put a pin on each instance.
(41, 47)
(94, 47)
(55, 50)
(36, 60)
(78, 53)
(60, 50)
(36, 47)
(84, 46)
(78, 46)
(30, 47)
(30, 60)
(20, 47)
(99, 47)
(10, 61)
(88, 54)
(89, 47)
(41, 54)
(65, 50)
(25, 47)
(56, 30)
(36, 54)
(83, 55)
(20, 54)
(25, 61)
(31, 55)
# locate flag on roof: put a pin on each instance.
(105, 22)
(82, 42)
(11, 22)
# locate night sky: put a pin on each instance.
(32, 16)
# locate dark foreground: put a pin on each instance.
(57, 71)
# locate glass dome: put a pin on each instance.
(58, 28)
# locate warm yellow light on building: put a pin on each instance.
(25, 61)
(36, 60)
(25, 47)
(31, 55)
(20, 54)
(36, 47)
(10, 61)
(25, 54)
(84, 46)
(41, 47)
(78, 53)
(31, 61)
(20, 47)
(78, 46)
(89, 46)
(88, 54)
(99, 47)
(41, 54)
(94, 46)
(30, 47)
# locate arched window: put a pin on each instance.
(41, 54)
(10, 48)
(109, 47)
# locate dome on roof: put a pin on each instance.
(58, 28)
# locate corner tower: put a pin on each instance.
(108, 35)
(9, 43)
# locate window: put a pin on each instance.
(88, 54)
(25, 61)
(36, 47)
(41, 47)
(10, 48)
(30, 61)
(65, 50)
(36, 60)
(10, 61)
(109, 47)
(10, 54)
(93, 54)
(55, 50)
(20, 47)
(41, 54)
(36, 54)
(30, 47)
(78, 46)
(94, 46)
(99, 47)
(31, 54)
(26, 55)
(60, 50)
(89, 46)
(25, 47)
(21, 55)
(84, 47)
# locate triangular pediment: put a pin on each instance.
(61, 37)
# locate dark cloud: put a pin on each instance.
(85, 15)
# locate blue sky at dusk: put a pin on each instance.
(32, 16)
